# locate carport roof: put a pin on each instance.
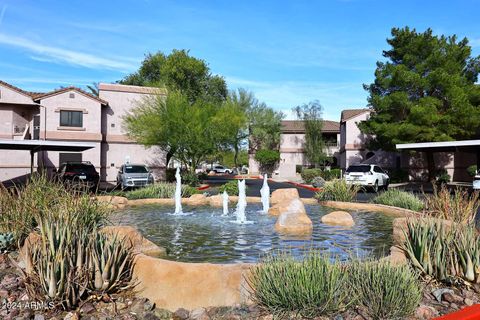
(444, 146)
(45, 145)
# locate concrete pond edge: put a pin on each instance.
(172, 285)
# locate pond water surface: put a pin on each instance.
(204, 235)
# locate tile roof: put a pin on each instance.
(290, 126)
(348, 114)
(132, 89)
(14, 88)
(40, 96)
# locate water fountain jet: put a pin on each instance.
(178, 192)
(225, 203)
(265, 194)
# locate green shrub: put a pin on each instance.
(386, 291)
(337, 190)
(398, 175)
(309, 174)
(190, 179)
(267, 160)
(442, 176)
(312, 287)
(472, 170)
(332, 174)
(231, 187)
(160, 190)
(398, 198)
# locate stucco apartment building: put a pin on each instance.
(348, 145)
(71, 114)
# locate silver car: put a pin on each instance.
(134, 175)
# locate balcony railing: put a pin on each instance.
(332, 144)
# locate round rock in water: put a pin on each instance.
(338, 218)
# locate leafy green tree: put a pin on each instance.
(265, 127)
(314, 146)
(179, 71)
(267, 160)
(424, 91)
(187, 131)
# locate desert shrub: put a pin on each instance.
(159, 191)
(444, 252)
(337, 190)
(231, 187)
(309, 174)
(461, 206)
(398, 198)
(267, 160)
(312, 287)
(318, 182)
(398, 175)
(21, 207)
(472, 170)
(386, 291)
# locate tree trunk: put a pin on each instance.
(430, 166)
(235, 156)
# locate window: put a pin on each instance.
(377, 169)
(71, 118)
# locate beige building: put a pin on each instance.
(71, 114)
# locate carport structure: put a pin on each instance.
(44, 145)
(470, 146)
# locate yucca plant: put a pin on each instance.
(312, 287)
(386, 291)
(110, 262)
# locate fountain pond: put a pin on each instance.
(205, 234)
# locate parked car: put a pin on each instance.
(83, 173)
(134, 175)
(221, 169)
(476, 181)
(367, 175)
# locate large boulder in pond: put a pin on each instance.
(280, 195)
(338, 218)
(294, 220)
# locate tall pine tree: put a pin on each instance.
(424, 91)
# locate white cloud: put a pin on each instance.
(285, 95)
(2, 13)
(59, 55)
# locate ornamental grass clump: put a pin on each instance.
(459, 206)
(313, 287)
(338, 190)
(386, 291)
(401, 199)
(159, 191)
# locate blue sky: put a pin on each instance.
(287, 52)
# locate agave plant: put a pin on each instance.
(55, 265)
(443, 254)
(109, 263)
